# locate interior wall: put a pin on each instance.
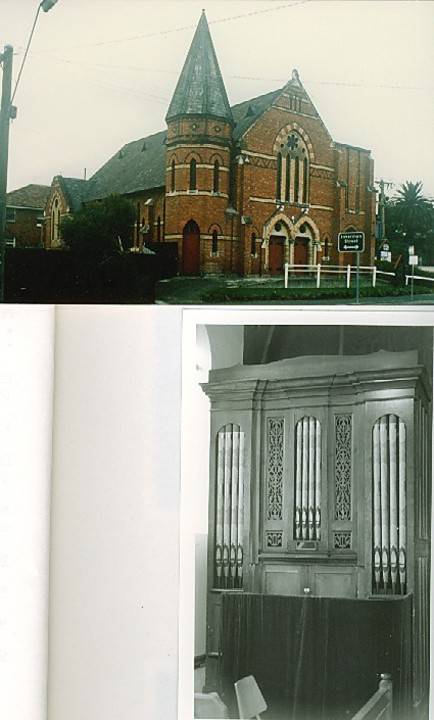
(270, 343)
(217, 346)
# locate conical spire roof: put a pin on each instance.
(200, 89)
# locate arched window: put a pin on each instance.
(216, 177)
(305, 179)
(193, 182)
(296, 179)
(158, 229)
(287, 179)
(55, 222)
(326, 247)
(214, 248)
(253, 244)
(279, 176)
(172, 176)
(292, 169)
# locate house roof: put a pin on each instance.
(139, 165)
(245, 113)
(75, 190)
(29, 196)
(200, 89)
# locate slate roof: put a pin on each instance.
(245, 113)
(29, 196)
(200, 88)
(75, 191)
(139, 165)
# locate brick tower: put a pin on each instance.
(198, 212)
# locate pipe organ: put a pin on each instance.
(321, 483)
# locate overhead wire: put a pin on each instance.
(170, 31)
(249, 78)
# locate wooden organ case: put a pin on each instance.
(320, 484)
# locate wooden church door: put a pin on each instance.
(276, 255)
(191, 249)
(301, 251)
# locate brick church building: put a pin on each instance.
(241, 189)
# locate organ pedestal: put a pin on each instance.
(320, 483)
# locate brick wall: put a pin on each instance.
(338, 178)
(25, 229)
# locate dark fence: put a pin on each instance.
(34, 275)
(167, 257)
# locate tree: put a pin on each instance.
(101, 229)
(410, 221)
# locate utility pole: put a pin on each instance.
(382, 209)
(7, 111)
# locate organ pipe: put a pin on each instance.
(389, 505)
(298, 482)
(318, 481)
(229, 507)
(307, 511)
(377, 506)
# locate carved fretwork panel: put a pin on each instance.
(343, 469)
(342, 540)
(275, 448)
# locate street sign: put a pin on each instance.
(351, 242)
(413, 259)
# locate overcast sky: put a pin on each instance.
(101, 73)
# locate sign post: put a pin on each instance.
(413, 260)
(353, 241)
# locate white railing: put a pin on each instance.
(417, 277)
(379, 706)
(319, 271)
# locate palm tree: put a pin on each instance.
(413, 211)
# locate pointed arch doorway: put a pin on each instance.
(191, 249)
(301, 251)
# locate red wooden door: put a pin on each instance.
(191, 249)
(300, 251)
(276, 255)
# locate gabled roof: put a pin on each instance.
(139, 165)
(29, 196)
(74, 189)
(200, 89)
(247, 112)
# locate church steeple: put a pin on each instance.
(200, 89)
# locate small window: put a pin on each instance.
(253, 244)
(214, 248)
(172, 177)
(193, 182)
(10, 215)
(216, 177)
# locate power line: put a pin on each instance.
(246, 77)
(161, 33)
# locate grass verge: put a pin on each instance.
(250, 294)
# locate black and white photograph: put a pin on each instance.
(312, 569)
